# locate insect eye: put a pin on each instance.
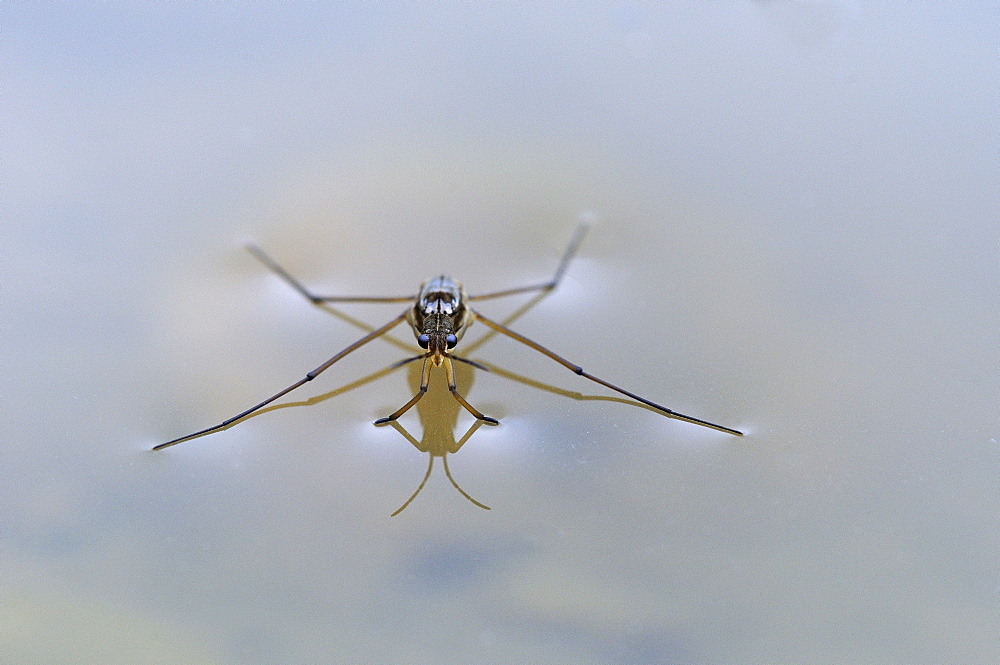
(451, 341)
(423, 341)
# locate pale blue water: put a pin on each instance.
(795, 234)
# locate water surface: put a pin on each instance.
(794, 234)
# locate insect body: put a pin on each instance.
(439, 317)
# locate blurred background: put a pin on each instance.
(794, 233)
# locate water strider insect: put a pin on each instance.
(439, 317)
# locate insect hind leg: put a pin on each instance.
(276, 268)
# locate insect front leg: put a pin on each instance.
(450, 371)
(424, 377)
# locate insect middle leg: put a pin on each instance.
(309, 377)
(576, 369)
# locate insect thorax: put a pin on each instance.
(440, 308)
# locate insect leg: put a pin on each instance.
(579, 370)
(574, 244)
(450, 371)
(301, 288)
(424, 377)
(309, 377)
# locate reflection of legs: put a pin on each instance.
(309, 377)
(574, 244)
(300, 287)
(447, 472)
(430, 465)
(450, 371)
(579, 370)
(424, 375)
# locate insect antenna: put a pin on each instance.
(406, 361)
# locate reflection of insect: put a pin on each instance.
(439, 317)
(436, 445)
